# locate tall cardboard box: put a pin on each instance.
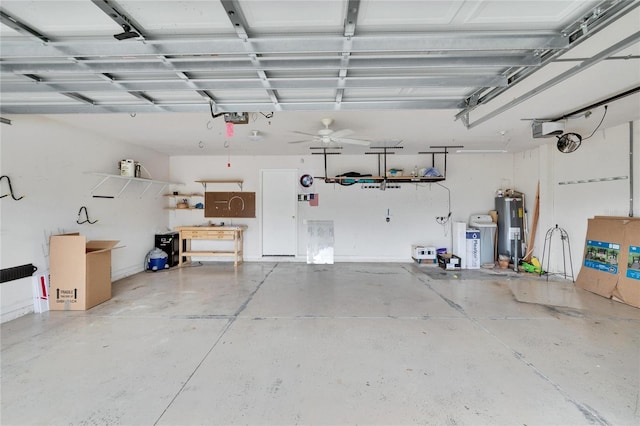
(80, 272)
(473, 248)
(611, 262)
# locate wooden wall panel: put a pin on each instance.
(229, 204)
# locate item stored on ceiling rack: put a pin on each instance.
(430, 173)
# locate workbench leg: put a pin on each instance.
(235, 248)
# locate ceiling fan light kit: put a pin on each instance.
(328, 136)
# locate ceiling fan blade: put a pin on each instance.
(352, 141)
(341, 133)
(303, 133)
(302, 141)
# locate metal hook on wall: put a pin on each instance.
(10, 189)
(86, 215)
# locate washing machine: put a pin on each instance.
(487, 227)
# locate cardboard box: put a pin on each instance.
(459, 235)
(611, 261)
(79, 272)
(449, 261)
(422, 252)
(473, 249)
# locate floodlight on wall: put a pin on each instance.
(569, 142)
(127, 33)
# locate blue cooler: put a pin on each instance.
(157, 260)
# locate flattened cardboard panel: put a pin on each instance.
(320, 242)
(229, 204)
(628, 289)
(603, 235)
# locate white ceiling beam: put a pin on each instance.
(599, 17)
(240, 25)
(383, 82)
(350, 22)
(126, 22)
(622, 44)
(190, 106)
(153, 65)
(430, 42)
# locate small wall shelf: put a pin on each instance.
(204, 183)
(184, 196)
(127, 180)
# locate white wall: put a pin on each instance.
(48, 163)
(361, 231)
(606, 154)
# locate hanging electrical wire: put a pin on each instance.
(442, 220)
(599, 124)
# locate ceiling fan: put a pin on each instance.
(328, 136)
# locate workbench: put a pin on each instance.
(228, 233)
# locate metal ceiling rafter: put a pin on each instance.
(300, 45)
(78, 62)
(20, 27)
(10, 107)
(122, 19)
(255, 83)
(596, 19)
(152, 65)
(622, 44)
(116, 15)
(240, 25)
(34, 34)
(350, 23)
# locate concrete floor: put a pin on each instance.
(350, 343)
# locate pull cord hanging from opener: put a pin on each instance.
(10, 189)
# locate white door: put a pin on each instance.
(279, 211)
